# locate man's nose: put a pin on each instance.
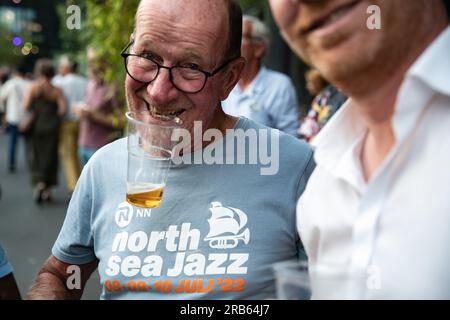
(161, 90)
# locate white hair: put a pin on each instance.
(65, 61)
(260, 31)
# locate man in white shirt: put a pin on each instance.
(262, 95)
(3, 78)
(11, 94)
(74, 88)
(378, 203)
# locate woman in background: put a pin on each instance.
(48, 104)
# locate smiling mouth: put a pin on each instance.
(331, 17)
(163, 114)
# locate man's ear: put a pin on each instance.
(233, 75)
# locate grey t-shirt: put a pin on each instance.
(216, 234)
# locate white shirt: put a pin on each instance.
(396, 228)
(270, 100)
(13, 92)
(74, 88)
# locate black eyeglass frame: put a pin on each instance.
(207, 74)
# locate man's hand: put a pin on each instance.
(51, 282)
(81, 111)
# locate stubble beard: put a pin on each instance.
(377, 56)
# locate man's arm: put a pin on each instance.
(51, 282)
(9, 289)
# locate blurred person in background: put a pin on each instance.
(8, 286)
(74, 88)
(12, 95)
(327, 100)
(315, 83)
(49, 106)
(262, 95)
(4, 75)
(98, 124)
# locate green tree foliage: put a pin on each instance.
(254, 7)
(106, 28)
(7, 56)
(71, 40)
(248, 4)
(109, 25)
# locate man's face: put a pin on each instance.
(183, 33)
(250, 49)
(247, 43)
(333, 36)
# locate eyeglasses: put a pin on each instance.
(188, 79)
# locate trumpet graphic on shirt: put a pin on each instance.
(225, 224)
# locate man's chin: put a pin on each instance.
(344, 63)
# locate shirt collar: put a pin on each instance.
(337, 141)
(428, 75)
(433, 66)
(257, 84)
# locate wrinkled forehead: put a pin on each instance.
(177, 20)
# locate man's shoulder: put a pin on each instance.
(278, 78)
(289, 145)
(57, 78)
(110, 154)
(112, 148)
(25, 82)
(77, 79)
(8, 84)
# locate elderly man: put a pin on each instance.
(377, 207)
(219, 228)
(263, 95)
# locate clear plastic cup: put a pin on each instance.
(292, 280)
(149, 160)
(295, 280)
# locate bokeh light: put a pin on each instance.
(35, 50)
(25, 52)
(28, 46)
(17, 41)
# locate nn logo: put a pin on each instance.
(126, 212)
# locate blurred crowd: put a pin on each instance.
(61, 117)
